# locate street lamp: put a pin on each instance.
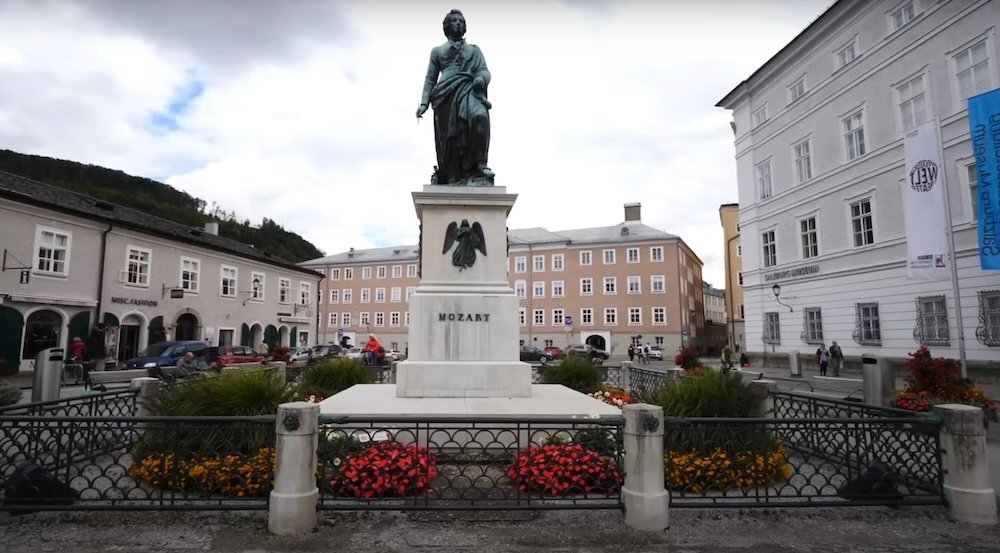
(777, 292)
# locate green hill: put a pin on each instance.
(157, 199)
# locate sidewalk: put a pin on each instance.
(692, 531)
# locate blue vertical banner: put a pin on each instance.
(984, 124)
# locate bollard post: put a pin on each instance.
(879, 382)
(292, 508)
(794, 364)
(279, 370)
(392, 373)
(765, 389)
(965, 465)
(647, 502)
(675, 373)
(146, 389)
(625, 373)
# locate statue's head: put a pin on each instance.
(454, 25)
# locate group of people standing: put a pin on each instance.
(829, 358)
(640, 351)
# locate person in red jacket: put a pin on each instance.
(371, 350)
(77, 348)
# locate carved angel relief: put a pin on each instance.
(469, 240)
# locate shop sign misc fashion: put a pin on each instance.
(134, 301)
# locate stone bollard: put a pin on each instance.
(765, 389)
(675, 373)
(794, 364)
(147, 388)
(292, 508)
(647, 502)
(879, 382)
(625, 373)
(279, 370)
(965, 466)
(392, 373)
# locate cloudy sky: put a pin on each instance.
(302, 111)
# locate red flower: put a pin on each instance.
(562, 469)
(389, 469)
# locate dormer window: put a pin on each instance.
(624, 231)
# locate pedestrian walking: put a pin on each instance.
(836, 358)
(631, 352)
(645, 354)
(823, 355)
(727, 359)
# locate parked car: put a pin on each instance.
(533, 354)
(325, 351)
(553, 351)
(656, 352)
(598, 356)
(393, 355)
(354, 353)
(221, 356)
(300, 354)
(165, 354)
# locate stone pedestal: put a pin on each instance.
(464, 326)
(966, 466)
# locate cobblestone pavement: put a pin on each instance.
(872, 530)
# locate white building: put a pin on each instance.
(819, 154)
(71, 261)
(715, 305)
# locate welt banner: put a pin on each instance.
(923, 205)
(984, 124)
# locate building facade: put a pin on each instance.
(607, 286)
(819, 153)
(729, 216)
(72, 261)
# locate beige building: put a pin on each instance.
(729, 216)
(607, 286)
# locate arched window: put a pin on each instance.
(41, 331)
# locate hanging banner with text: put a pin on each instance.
(923, 206)
(984, 124)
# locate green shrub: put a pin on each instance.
(331, 376)
(9, 394)
(577, 373)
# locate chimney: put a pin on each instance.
(212, 228)
(350, 253)
(633, 212)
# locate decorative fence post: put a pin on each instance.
(794, 364)
(147, 388)
(879, 381)
(965, 466)
(625, 375)
(292, 508)
(765, 389)
(647, 502)
(675, 373)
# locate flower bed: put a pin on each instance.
(613, 396)
(931, 382)
(559, 469)
(389, 469)
(695, 472)
(232, 475)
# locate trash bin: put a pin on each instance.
(48, 373)
(794, 364)
(879, 382)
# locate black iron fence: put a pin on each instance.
(810, 406)
(114, 463)
(115, 403)
(644, 383)
(456, 463)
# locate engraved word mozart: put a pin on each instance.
(465, 317)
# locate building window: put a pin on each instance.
(538, 262)
(366, 295)
(585, 258)
(558, 261)
(657, 284)
(810, 240)
(364, 319)
(521, 289)
(847, 54)
(406, 319)
(610, 316)
(770, 249)
(558, 289)
(813, 323)
(305, 293)
(586, 316)
(610, 285)
(380, 319)
(633, 255)
(348, 273)
(190, 274)
(334, 296)
(347, 295)
(586, 286)
(803, 161)
(854, 135)
(52, 247)
(659, 315)
(609, 257)
(137, 267)
(380, 295)
(634, 316)
(912, 103)
(538, 318)
(397, 271)
(772, 328)
(972, 69)
(522, 316)
(345, 319)
(335, 274)
(867, 327)
(331, 319)
(988, 331)
(798, 89)
(656, 254)
(394, 318)
(764, 180)
(411, 271)
(228, 284)
(634, 285)
(366, 273)
(903, 15)
(538, 289)
(396, 294)
(760, 115)
(285, 291)
(557, 317)
(862, 224)
(520, 264)
(257, 290)
(972, 181)
(932, 321)
(409, 292)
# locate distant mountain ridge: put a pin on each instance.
(158, 199)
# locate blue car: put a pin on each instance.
(166, 354)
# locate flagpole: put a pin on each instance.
(951, 252)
